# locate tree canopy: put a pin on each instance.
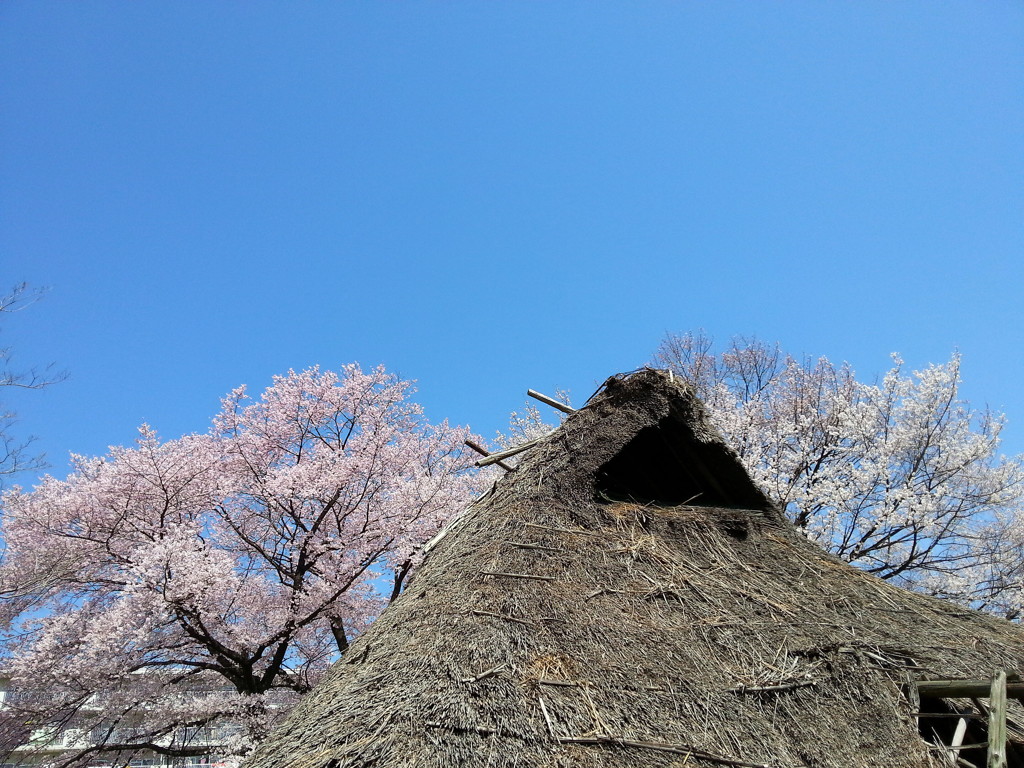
(901, 477)
(212, 578)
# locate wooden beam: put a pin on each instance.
(965, 689)
(484, 452)
(550, 401)
(997, 722)
(494, 458)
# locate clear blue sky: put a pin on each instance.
(493, 196)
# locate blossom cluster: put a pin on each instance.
(900, 477)
(249, 555)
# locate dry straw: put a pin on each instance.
(627, 597)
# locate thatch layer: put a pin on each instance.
(590, 611)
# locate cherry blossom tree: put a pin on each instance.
(900, 477)
(185, 584)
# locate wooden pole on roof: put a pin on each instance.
(550, 401)
(485, 453)
(965, 689)
(494, 458)
(997, 722)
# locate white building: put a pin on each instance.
(45, 745)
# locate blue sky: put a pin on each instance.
(488, 197)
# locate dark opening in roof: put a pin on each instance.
(664, 464)
(949, 724)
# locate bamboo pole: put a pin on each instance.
(958, 739)
(485, 453)
(997, 722)
(494, 458)
(550, 401)
(965, 689)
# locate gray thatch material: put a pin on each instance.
(652, 626)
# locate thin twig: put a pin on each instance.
(559, 530)
(547, 718)
(484, 675)
(503, 616)
(456, 728)
(518, 575)
(741, 689)
(526, 545)
(607, 591)
(678, 749)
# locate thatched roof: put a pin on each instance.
(626, 597)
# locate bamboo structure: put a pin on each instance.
(550, 401)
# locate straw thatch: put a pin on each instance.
(628, 597)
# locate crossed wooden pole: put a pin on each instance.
(496, 458)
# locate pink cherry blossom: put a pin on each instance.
(213, 578)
